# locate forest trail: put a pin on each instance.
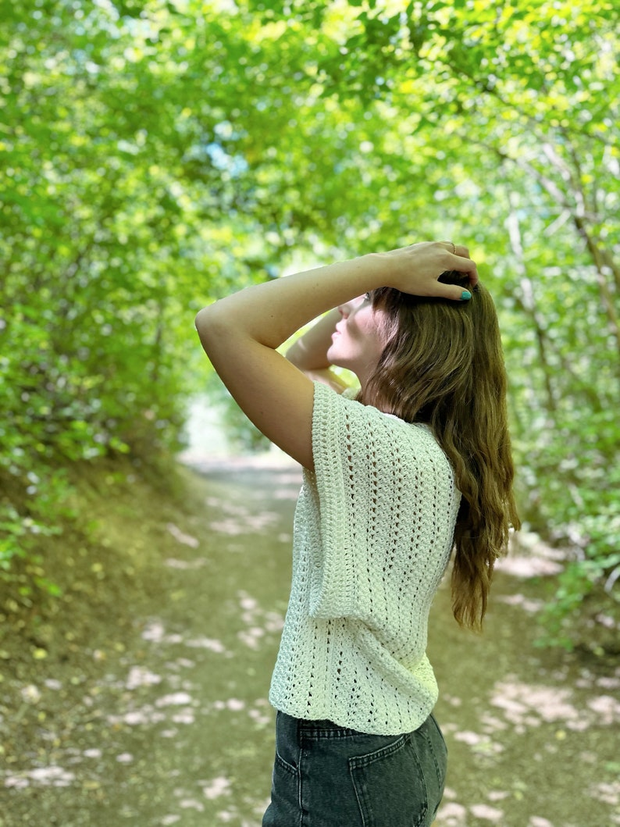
(173, 727)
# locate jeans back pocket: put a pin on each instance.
(390, 785)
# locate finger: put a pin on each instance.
(464, 264)
(455, 249)
(450, 246)
(461, 251)
(454, 292)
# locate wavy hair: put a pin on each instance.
(443, 365)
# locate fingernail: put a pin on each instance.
(465, 295)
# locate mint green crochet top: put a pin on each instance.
(373, 533)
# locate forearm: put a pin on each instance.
(270, 313)
(309, 352)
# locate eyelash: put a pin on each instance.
(366, 297)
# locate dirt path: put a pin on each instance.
(173, 728)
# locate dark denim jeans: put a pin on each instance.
(327, 776)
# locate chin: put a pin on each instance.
(339, 360)
(332, 356)
(335, 361)
(340, 363)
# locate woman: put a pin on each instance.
(417, 463)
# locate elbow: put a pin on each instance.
(210, 316)
(201, 320)
(209, 324)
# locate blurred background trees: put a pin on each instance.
(157, 155)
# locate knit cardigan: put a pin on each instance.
(373, 532)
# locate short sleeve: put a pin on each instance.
(387, 507)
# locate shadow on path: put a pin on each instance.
(177, 728)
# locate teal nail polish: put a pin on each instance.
(465, 295)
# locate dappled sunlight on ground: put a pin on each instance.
(530, 605)
(176, 728)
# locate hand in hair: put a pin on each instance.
(241, 332)
(417, 268)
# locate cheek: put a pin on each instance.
(364, 330)
(371, 332)
(361, 325)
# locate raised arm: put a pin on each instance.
(309, 352)
(240, 333)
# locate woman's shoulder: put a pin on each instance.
(366, 443)
(354, 408)
(384, 427)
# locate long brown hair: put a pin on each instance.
(443, 365)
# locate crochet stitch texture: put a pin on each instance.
(373, 532)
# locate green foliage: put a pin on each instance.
(242, 434)
(572, 586)
(157, 155)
